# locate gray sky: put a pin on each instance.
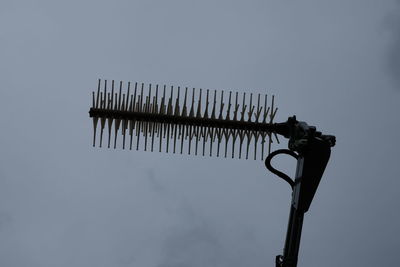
(335, 64)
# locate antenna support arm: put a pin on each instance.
(312, 151)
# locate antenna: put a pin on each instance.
(214, 123)
(177, 120)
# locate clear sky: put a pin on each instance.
(335, 64)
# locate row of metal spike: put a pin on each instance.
(191, 136)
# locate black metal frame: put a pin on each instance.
(313, 153)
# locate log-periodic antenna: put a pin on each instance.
(183, 120)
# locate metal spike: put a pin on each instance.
(139, 109)
(235, 134)
(191, 113)
(249, 136)
(212, 139)
(228, 111)
(98, 94)
(197, 138)
(127, 97)
(184, 114)
(184, 108)
(227, 135)
(116, 126)
(134, 97)
(251, 108)
(190, 138)
(236, 107)
(176, 113)
(221, 107)
(112, 94)
(105, 94)
(219, 137)
(160, 134)
(102, 124)
(244, 106)
(262, 147)
(162, 111)
(182, 139)
(168, 129)
(241, 138)
(272, 113)
(259, 109)
(95, 119)
(198, 114)
(204, 135)
(120, 94)
(214, 104)
(123, 131)
(110, 122)
(169, 112)
(138, 133)
(147, 124)
(206, 110)
(269, 143)
(131, 124)
(154, 111)
(141, 99)
(256, 136)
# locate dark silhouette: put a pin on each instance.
(143, 115)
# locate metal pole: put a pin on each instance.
(295, 224)
(292, 244)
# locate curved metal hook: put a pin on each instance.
(275, 171)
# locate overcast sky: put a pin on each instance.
(335, 64)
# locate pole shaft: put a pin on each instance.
(293, 236)
(295, 224)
